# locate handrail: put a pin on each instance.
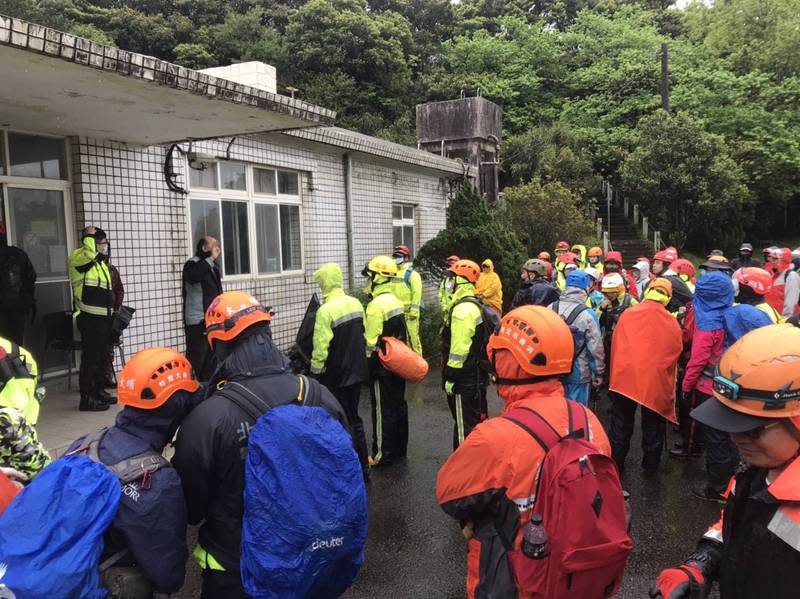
(636, 217)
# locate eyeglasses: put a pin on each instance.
(755, 434)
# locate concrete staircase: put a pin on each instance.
(625, 238)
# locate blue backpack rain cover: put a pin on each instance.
(305, 507)
(51, 536)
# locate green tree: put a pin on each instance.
(193, 56)
(686, 182)
(473, 232)
(543, 214)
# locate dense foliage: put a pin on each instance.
(578, 81)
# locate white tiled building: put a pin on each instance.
(158, 155)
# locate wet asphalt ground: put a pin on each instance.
(415, 551)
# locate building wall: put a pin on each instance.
(122, 190)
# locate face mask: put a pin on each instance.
(399, 260)
(103, 249)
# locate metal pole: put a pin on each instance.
(608, 211)
(665, 77)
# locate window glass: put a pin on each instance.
(397, 212)
(408, 213)
(267, 238)
(34, 156)
(205, 178)
(205, 220)
(408, 238)
(290, 238)
(235, 238)
(397, 235)
(264, 181)
(287, 183)
(232, 176)
(38, 226)
(2, 154)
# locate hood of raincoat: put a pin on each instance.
(712, 295)
(573, 294)
(740, 320)
(328, 277)
(488, 263)
(644, 270)
(581, 251)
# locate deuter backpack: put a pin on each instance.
(51, 536)
(580, 500)
(305, 504)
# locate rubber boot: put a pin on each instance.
(90, 404)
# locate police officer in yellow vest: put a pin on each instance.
(384, 318)
(408, 289)
(90, 278)
(338, 357)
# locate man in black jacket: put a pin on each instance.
(536, 289)
(201, 284)
(211, 447)
(17, 295)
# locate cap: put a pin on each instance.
(746, 246)
(715, 414)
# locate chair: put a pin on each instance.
(59, 337)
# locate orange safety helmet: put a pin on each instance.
(544, 256)
(595, 252)
(758, 375)
(232, 312)
(467, 269)
(538, 339)
(152, 376)
(757, 279)
(682, 266)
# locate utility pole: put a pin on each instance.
(665, 77)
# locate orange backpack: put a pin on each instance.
(401, 360)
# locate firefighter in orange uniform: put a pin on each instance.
(487, 482)
(754, 549)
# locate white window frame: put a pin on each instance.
(252, 199)
(406, 222)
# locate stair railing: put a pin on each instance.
(613, 195)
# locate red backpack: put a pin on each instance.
(579, 498)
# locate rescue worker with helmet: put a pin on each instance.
(753, 550)
(407, 287)
(613, 264)
(157, 389)
(536, 289)
(463, 341)
(643, 370)
(565, 262)
(579, 251)
(753, 284)
(90, 278)
(338, 357)
(22, 455)
(211, 446)
(486, 482)
(489, 289)
(785, 291)
(594, 258)
(385, 318)
(615, 302)
(684, 269)
(661, 261)
(561, 247)
(444, 297)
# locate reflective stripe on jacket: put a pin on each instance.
(90, 278)
(19, 392)
(407, 287)
(459, 334)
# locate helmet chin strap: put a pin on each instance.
(501, 381)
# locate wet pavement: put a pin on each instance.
(414, 550)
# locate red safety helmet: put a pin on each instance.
(568, 258)
(562, 245)
(537, 338)
(452, 260)
(614, 257)
(152, 376)
(643, 259)
(401, 250)
(757, 279)
(467, 269)
(668, 255)
(232, 312)
(682, 266)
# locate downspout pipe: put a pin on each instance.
(347, 166)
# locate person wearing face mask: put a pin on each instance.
(753, 549)
(92, 297)
(536, 290)
(745, 258)
(407, 286)
(613, 264)
(158, 390)
(752, 284)
(201, 284)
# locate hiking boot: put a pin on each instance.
(91, 404)
(681, 453)
(105, 397)
(707, 494)
(109, 384)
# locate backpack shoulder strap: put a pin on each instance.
(536, 426)
(577, 413)
(90, 445)
(556, 305)
(311, 390)
(138, 467)
(576, 311)
(246, 400)
(407, 276)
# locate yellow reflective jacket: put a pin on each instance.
(384, 316)
(90, 278)
(407, 286)
(489, 288)
(20, 392)
(461, 323)
(773, 314)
